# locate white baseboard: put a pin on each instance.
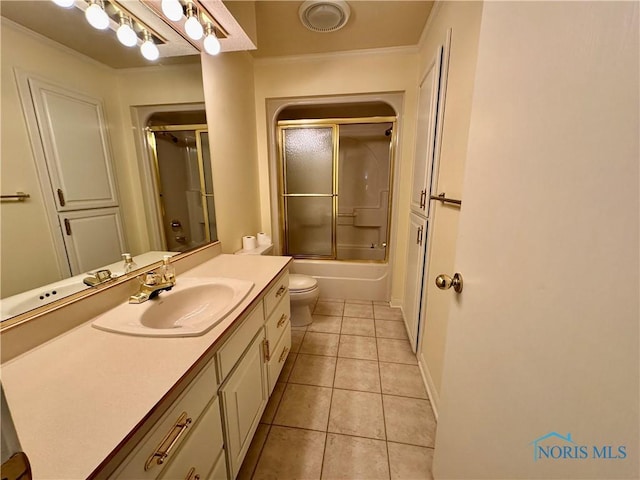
(434, 398)
(397, 302)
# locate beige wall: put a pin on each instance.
(229, 95)
(381, 71)
(464, 20)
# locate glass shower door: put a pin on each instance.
(184, 185)
(309, 190)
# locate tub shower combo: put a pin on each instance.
(334, 194)
(184, 187)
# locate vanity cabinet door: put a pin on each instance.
(278, 356)
(197, 456)
(244, 397)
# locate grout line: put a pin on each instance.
(255, 466)
(384, 417)
(349, 435)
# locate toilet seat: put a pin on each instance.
(301, 283)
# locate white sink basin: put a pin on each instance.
(191, 308)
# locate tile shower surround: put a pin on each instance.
(349, 404)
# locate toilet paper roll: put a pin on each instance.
(249, 242)
(264, 239)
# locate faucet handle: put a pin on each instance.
(151, 278)
(97, 277)
(102, 275)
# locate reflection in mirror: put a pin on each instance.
(184, 184)
(71, 140)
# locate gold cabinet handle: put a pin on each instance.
(267, 353)
(169, 441)
(283, 355)
(283, 320)
(17, 467)
(192, 475)
(281, 291)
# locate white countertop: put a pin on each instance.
(76, 397)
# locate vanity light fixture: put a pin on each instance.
(64, 3)
(172, 9)
(211, 42)
(96, 16)
(114, 15)
(148, 48)
(125, 33)
(192, 26)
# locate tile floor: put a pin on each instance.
(349, 404)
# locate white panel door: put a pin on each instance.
(93, 238)
(541, 373)
(413, 276)
(426, 134)
(244, 397)
(76, 147)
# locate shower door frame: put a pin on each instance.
(198, 129)
(281, 126)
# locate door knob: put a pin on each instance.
(445, 282)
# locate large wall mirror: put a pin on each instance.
(111, 151)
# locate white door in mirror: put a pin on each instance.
(191, 308)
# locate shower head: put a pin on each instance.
(388, 131)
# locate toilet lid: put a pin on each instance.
(299, 283)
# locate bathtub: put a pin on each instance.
(358, 252)
(348, 280)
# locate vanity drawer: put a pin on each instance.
(161, 443)
(198, 453)
(278, 321)
(276, 293)
(278, 356)
(232, 350)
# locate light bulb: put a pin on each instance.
(211, 44)
(149, 50)
(64, 3)
(126, 35)
(172, 9)
(193, 28)
(97, 17)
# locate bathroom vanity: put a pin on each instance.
(96, 404)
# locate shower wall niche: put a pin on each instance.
(335, 186)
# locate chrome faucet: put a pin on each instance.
(152, 285)
(97, 277)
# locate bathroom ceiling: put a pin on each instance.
(279, 32)
(372, 24)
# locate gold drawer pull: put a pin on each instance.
(283, 320)
(283, 355)
(192, 475)
(169, 441)
(281, 291)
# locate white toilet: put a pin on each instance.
(303, 292)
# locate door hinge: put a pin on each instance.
(67, 226)
(61, 198)
(267, 354)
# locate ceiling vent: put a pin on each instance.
(324, 15)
